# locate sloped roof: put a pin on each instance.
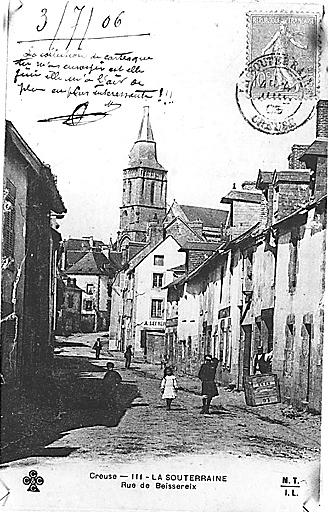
(301, 211)
(242, 195)
(92, 263)
(148, 249)
(252, 232)
(188, 236)
(74, 256)
(42, 170)
(143, 152)
(175, 282)
(210, 217)
(73, 286)
(264, 179)
(178, 269)
(76, 248)
(115, 259)
(292, 176)
(145, 131)
(201, 246)
(81, 244)
(318, 148)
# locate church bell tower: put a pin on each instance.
(144, 188)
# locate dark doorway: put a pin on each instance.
(305, 361)
(247, 350)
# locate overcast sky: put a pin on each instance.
(198, 51)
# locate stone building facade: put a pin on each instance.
(144, 188)
(69, 314)
(30, 257)
(300, 281)
(264, 288)
(145, 225)
(93, 275)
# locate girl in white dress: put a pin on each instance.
(169, 388)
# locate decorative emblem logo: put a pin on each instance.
(33, 480)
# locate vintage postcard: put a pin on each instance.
(163, 256)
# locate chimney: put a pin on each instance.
(196, 226)
(249, 185)
(322, 118)
(293, 159)
(155, 232)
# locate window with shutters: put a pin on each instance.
(157, 280)
(9, 220)
(157, 308)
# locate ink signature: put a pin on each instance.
(80, 117)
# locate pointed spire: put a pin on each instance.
(143, 152)
(145, 132)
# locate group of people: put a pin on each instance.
(128, 354)
(169, 386)
(206, 374)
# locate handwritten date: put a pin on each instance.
(107, 21)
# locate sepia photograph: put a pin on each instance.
(163, 255)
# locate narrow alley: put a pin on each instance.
(84, 460)
(75, 424)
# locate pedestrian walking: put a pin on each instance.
(112, 384)
(128, 356)
(169, 388)
(207, 375)
(97, 347)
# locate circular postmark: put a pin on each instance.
(271, 94)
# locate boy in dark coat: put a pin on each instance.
(112, 383)
(207, 375)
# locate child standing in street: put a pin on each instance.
(169, 388)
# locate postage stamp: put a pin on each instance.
(277, 91)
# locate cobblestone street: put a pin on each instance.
(77, 425)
